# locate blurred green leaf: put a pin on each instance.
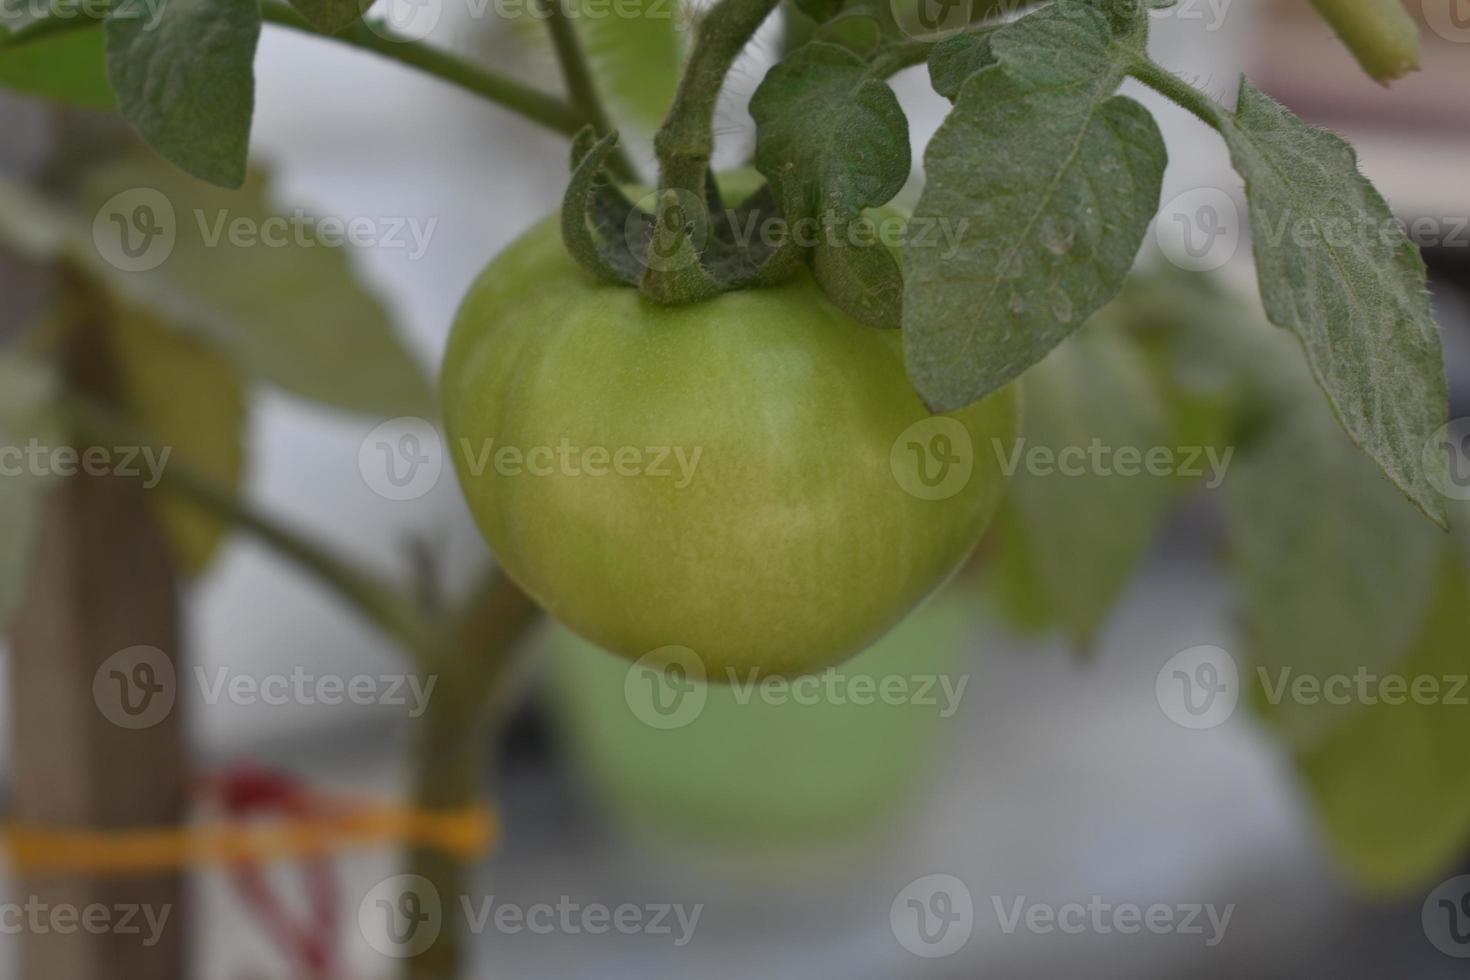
(1389, 783)
(68, 67)
(184, 73)
(292, 312)
(1333, 563)
(192, 400)
(1073, 528)
(636, 51)
(287, 306)
(26, 399)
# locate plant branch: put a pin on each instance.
(549, 111)
(454, 737)
(373, 599)
(1180, 92)
(686, 141)
(580, 84)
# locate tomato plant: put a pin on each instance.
(742, 426)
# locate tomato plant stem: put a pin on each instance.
(538, 106)
(454, 736)
(580, 84)
(373, 599)
(1178, 91)
(686, 141)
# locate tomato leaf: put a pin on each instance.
(1336, 269)
(636, 53)
(953, 60)
(1049, 181)
(290, 310)
(26, 412)
(1334, 565)
(185, 78)
(191, 398)
(832, 140)
(68, 67)
(1081, 530)
(1389, 783)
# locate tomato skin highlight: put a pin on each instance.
(720, 477)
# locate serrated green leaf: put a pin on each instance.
(184, 74)
(832, 140)
(1389, 783)
(1336, 269)
(635, 49)
(331, 15)
(1051, 181)
(26, 393)
(285, 304)
(68, 67)
(1076, 522)
(1334, 564)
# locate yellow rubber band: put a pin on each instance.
(467, 833)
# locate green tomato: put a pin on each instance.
(751, 479)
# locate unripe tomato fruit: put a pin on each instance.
(726, 477)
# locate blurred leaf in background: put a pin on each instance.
(636, 48)
(190, 397)
(70, 67)
(27, 394)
